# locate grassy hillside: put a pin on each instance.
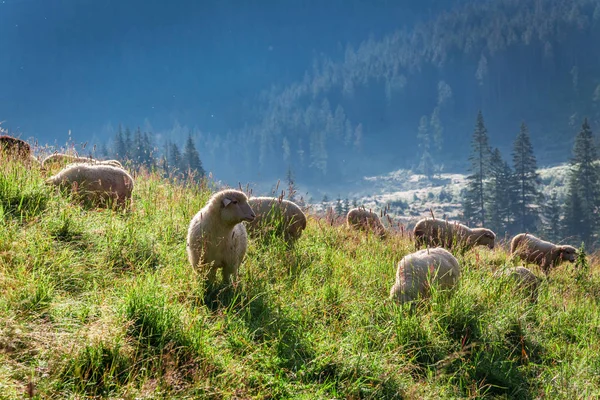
(100, 303)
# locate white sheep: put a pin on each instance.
(438, 232)
(64, 159)
(217, 238)
(97, 184)
(362, 219)
(523, 276)
(418, 270)
(281, 215)
(534, 250)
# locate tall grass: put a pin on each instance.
(104, 303)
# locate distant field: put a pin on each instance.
(96, 303)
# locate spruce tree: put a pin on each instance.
(585, 179)
(527, 182)
(552, 222)
(339, 209)
(346, 206)
(138, 148)
(128, 144)
(191, 158)
(475, 195)
(120, 147)
(498, 189)
(574, 226)
(174, 158)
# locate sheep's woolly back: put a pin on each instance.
(450, 234)
(523, 275)
(281, 215)
(216, 237)
(537, 251)
(417, 270)
(95, 183)
(362, 219)
(14, 147)
(63, 159)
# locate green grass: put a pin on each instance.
(101, 303)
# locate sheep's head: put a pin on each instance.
(567, 253)
(234, 207)
(484, 237)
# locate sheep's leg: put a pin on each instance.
(229, 274)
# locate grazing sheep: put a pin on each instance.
(417, 270)
(283, 216)
(217, 238)
(524, 277)
(438, 232)
(64, 159)
(96, 184)
(534, 250)
(15, 147)
(362, 219)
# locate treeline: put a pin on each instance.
(139, 149)
(506, 56)
(508, 198)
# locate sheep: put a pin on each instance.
(362, 219)
(217, 238)
(534, 250)
(524, 277)
(438, 232)
(96, 184)
(417, 270)
(15, 147)
(64, 159)
(283, 216)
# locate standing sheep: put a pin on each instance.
(534, 250)
(217, 238)
(438, 232)
(362, 219)
(417, 270)
(97, 184)
(272, 213)
(64, 159)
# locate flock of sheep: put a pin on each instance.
(218, 234)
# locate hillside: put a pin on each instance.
(100, 303)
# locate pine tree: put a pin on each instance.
(574, 226)
(291, 184)
(498, 189)
(120, 147)
(103, 150)
(475, 195)
(128, 144)
(426, 162)
(339, 209)
(585, 179)
(527, 181)
(552, 222)
(138, 148)
(346, 206)
(174, 158)
(191, 158)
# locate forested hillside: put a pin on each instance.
(373, 110)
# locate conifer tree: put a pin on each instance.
(128, 144)
(191, 158)
(574, 226)
(339, 209)
(585, 180)
(527, 181)
(498, 188)
(552, 222)
(346, 206)
(475, 195)
(291, 184)
(120, 147)
(174, 158)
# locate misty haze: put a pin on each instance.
(463, 124)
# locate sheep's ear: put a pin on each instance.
(226, 202)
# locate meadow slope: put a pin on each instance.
(96, 303)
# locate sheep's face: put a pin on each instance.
(235, 208)
(568, 253)
(485, 237)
